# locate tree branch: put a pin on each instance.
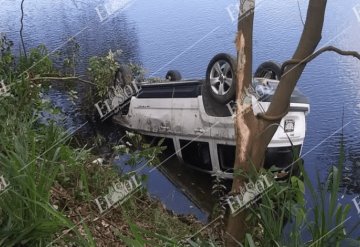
(62, 79)
(298, 62)
(309, 40)
(316, 54)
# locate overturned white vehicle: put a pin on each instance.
(196, 116)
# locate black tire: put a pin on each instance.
(173, 75)
(123, 76)
(269, 70)
(218, 82)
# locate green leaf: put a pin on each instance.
(250, 240)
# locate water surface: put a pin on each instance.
(186, 34)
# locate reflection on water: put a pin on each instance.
(177, 188)
(185, 35)
(351, 171)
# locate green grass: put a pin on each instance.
(27, 217)
(52, 185)
(320, 218)
(32, 157)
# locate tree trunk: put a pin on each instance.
(246, 124)
(254, 133)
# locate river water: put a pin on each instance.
(185, 35)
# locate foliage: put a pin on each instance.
(327, 228)
(37, 62)
(70, 56)
(160, 228)
(32, 155)
(6, 57)
(285, 218)
(138, 72)
(282, 217)
(139, 150)
(102, 71)
(48, 179)
(27, 218)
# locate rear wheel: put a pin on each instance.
(173, 75)
(269, 70)
(221, 78)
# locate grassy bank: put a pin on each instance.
(48, 198)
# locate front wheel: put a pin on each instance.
(221, 78)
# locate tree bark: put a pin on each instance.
(245, 121)
(254, 133)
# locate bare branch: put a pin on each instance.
(304, 61)
(62, 79)
(316, 54)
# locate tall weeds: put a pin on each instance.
(31, 156)
(287, 219)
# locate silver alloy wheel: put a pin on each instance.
(221, 77)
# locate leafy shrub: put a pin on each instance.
(102, 71)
